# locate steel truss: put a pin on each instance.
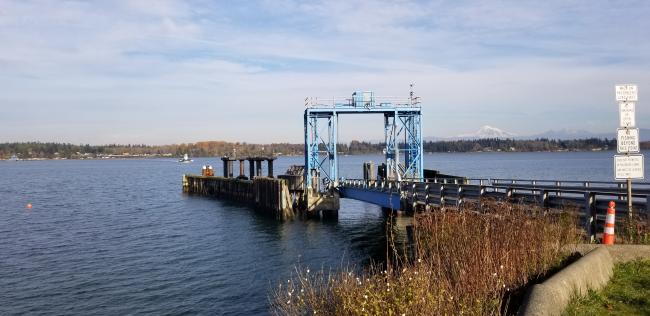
(402, 135)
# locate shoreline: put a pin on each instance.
(115, 157)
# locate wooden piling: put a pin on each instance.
(268, 195)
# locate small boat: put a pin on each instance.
(14, 158)
(185, 159)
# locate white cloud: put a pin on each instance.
(169, 71)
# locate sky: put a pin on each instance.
(161, 72)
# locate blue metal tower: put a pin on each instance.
(402, 134)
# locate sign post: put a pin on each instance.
(627, 167)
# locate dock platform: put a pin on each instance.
(268, 195)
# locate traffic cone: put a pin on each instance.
(610, 220)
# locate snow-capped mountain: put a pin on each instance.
(487, 132)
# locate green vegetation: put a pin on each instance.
(200, 149)
(30, 150)
(628, 293)
(494, 144)
(543, 144)
(472, 261)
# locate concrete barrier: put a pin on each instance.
(619, 252)
(592, 271)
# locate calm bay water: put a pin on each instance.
(118, 236)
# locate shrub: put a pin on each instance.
(467, 261)
(633, 230)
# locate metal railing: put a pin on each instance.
(589, 198)
(377, 185)
(378, 102)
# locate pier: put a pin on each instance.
(283, 197)
(268, 195)
(588, 198)
(400, 183)
(264, 193)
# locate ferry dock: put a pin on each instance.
(400, 183)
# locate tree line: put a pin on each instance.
(30, 150)
(533, 145)
(496, 144)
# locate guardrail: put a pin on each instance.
(377, 185)
(589, 198)
(638, 186)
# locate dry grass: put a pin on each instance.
(466, 263)
(635, 230)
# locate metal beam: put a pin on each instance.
(402, 132)
(381, 198)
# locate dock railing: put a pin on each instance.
(588, 198)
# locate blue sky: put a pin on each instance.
(182, 71)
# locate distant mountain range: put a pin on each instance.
(562, 134)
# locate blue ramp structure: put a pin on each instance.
(402, 134)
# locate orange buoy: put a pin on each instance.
(29, 205)
(610, 222)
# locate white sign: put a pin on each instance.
(626, 92)
(628, 167)
(627, 140)
(626, 114)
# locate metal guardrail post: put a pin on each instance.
(543, 199)
(426, 195)
(621, 186)
(414, 194)
(590, 216)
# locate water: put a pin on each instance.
(118, 236)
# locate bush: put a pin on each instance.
(633, 230)
(467, 261)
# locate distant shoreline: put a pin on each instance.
(38, 150)
(341, 154)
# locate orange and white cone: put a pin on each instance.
(610, 220)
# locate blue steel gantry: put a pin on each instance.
(402, 136)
